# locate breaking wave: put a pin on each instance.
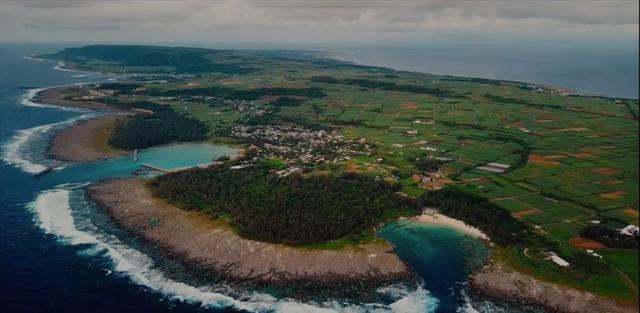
(54, 215)
(27, 100)
(33, 58)
(19, 149)
(61, 67)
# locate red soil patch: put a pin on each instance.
(518, 124)
(268, 99)
(572, 129)
(611, 182)
(409, 106)
(465, 162)
(631, 212)
(525, 213)
(606, 171)
(352, 167)
(613, 194)
(584, 243)
(583, 155)
(541, 160)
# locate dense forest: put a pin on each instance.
(505, 229)
(426, 164)
(180, 60)
(610, 237)
(147, 130)
(291, 210)
(496, 222)
(119, 88)
(374, 84)
(237, 94)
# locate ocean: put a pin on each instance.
(59, 253)
(599, 68)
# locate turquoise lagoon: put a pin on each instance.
(55, 256)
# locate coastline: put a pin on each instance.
(211, 246)
(443, 220)
(500, 281)
(85, 141)
(505, 283)
(53, 96)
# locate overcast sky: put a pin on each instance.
(379, 22)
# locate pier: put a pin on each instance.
(166, 171)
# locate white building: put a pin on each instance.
(630, 230)
(557, 260)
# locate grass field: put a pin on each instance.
(572, 159)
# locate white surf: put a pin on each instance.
(16, 150)
(53, 213)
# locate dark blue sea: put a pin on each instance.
(59, 254)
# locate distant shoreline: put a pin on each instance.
(352, 57)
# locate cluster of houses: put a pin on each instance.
(301, 147)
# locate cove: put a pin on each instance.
(441, 256)
(172, 156)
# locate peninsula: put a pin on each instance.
(335, 149)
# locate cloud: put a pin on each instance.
(158, 20)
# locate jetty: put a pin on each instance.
(166, 171)
(48, 169)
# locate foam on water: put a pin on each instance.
(17, 149)
(53, 214)
(61, 67)
(32, 58)
(27, 100)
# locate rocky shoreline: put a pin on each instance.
(498, 281)
(213, 247)
(200, 244)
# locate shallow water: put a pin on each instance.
(56, 253)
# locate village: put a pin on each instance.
(301, 147)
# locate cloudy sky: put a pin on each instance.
(317, 22)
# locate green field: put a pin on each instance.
(572, 159)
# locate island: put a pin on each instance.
(335, 150)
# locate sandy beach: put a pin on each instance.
(443, 220)
(86, 141)
(212, 245)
